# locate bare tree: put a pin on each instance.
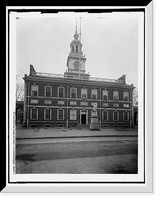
(19, 90)
(135, 96)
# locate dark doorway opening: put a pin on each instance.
(136, 119)
(83, 118)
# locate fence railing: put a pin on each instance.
(76, 77)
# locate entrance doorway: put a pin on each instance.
(83, 117)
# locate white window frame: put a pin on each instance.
(63, 92)
(126, 105)
(73, 103)
(60, 102)
(75, 115)
(116, 95)
(93, 92)
(48, 102)
(71, 92)
(117, 116)
(127, 116)
(105, 104)
(46, 90)
(31, 113)
(34, 101)
(124, 95)
(104, 95)
(82, 103)
(32, 90)
(116, 105)
(45, 113)
(103, 115)
(58, 114)
(82, 89)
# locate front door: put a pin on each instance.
(83, 118)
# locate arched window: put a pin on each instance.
(72, 48)
(76, 48)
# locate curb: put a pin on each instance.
(87, 136)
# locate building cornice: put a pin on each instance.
(77, 82)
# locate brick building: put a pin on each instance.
(66, 100)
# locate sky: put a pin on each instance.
(110, 45)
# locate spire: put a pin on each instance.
(76, 34)
(76, 27)
(80, 30)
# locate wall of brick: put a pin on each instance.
(55, 102)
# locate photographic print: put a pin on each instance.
(77, 105)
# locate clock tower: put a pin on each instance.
(76, 59)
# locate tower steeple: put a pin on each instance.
(76, 46)
(76, 59)
(76, 34)
(80, 30)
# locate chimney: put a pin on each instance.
(31, 70)
(123, 78)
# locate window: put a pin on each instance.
(76, 48)
(73, 114)
(47, 113)
(92, 104)
(60, 102)
(73, 103)
(125, 96)
(34, 90)
(34, 113)
(105, 94)
(73, 92)
(83, 93)
(105, 115)
(72, 48)
(105, 104)
(48, 91)
(126, 116)
(115, 95)
(34, 101)
(47, 102)
(116, 105)
(60, 114)
(94, 94)
(115, 116)
(126, 105)
(60, 91)
(84, 103)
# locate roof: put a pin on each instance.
(78, 79)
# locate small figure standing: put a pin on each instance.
(95, 109)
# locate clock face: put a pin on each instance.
(76, 65)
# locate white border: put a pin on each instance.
(147, 187)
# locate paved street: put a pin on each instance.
(30, 133)
(77, 155)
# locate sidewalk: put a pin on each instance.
(40, 133)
